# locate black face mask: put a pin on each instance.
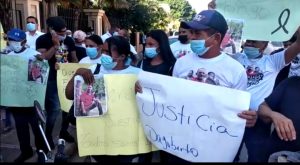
(183, 38)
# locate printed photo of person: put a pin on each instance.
(37, 71)
(90, 100)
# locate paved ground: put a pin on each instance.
(9, 146)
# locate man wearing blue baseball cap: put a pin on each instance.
(24, 116)
(16, 38)
(208, 30)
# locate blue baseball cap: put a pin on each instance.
(208, 19)
(16, 35)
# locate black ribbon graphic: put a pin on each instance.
(285, 22)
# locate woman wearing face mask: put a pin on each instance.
(158, 57)
(115, 59)
(93, 48)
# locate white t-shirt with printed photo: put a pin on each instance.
(88, 60)
(221, 70)
(261, 75)
(128, 70)
(180, 50)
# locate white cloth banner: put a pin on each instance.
(195, 121)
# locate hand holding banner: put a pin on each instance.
(64, 75)
(119, 131)
(198, 123)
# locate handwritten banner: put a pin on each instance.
(17, 87)
(195, 121)
(267, 20)
(64, 75)
(119, 131)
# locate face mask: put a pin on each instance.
(61, 38)
(150, 52)
(91, 52)
(107, 62)
(15, 46)
(30, 27)
(251, 52)
(183, 38)
(198, 47)
(128, 62)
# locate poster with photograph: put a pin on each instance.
(232, 40)
(37, 71)
(89, 100)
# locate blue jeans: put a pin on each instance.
(52, 108)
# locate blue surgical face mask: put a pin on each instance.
(107, 62)
(91, 52)
(198, 47)
(30, 27)
(150, 52)
(251, 52)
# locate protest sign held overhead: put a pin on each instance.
(267, 20)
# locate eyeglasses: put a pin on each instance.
(31, 22)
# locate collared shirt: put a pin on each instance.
(31, 39)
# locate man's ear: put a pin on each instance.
(218, 38)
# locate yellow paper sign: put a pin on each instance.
(119, 132)
(64, 75)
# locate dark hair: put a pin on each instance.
(121, 45)
(95, 38)
(213, 31)
(32, 17)
(163, 41)
(184, 25)
(57, 23)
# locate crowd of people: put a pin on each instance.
(196, 56)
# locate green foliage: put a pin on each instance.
(180, 9)
(142, 15)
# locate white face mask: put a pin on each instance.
(61, 38)
(15, 46)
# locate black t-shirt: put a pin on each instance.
(45, 42)
(285, 99)
(80, 52)
(284, 72)
(163, 68)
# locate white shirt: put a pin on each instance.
(295, 66)
(88, 60)
(105, 36)
(128, 70)
(28, 53)
(261, 75)
(179, 49)
(227, 72)
(31, 39)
